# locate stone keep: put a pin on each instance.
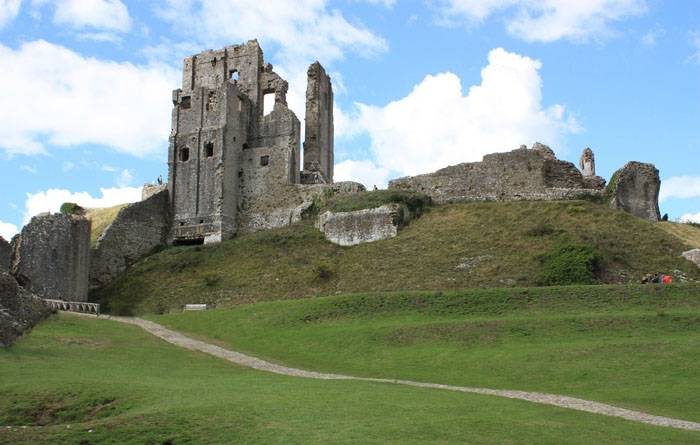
(318, 145)
(51, 257)
(228, 156)
(635, 189)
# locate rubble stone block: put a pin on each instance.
(363, 226)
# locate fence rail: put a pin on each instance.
(73, 306)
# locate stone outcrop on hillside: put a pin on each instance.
(363, 226)
(522, 174)
(19, 309)
(51, 257)
(135, 232)
(693, 256)
(635, 189)
(5, 255)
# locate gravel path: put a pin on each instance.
(536, 397)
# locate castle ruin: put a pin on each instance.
(229, 157)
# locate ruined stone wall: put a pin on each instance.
(522, 174)
(51, 257)
(363, 226)
(318, 143)
(288, 204)
(19, 310)
(635, 189)
(135, 232)
(5, 255)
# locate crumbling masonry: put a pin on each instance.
(228, 156)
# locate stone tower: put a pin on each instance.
(587, 163)
(228, 155)
(318, 145)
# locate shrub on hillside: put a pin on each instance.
(569, 264)
(323, 270)
(415, 202)
(540, 229)
(71, 208)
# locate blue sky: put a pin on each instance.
(419, 85)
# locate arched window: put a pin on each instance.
(233, 75)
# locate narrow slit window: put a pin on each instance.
(209, 149)
(184, 154)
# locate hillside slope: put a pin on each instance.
(450, 247)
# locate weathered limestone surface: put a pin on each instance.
(363, 226)
(522, 174)
(51, 257)
(288, 204)
(151, 189)
(134, 233)
(318, 145)
(5, 255)
(635, 189)
(19, 309)
(693, 255)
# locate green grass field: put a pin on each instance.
(450, 247)
(75, 380)
(631, 346)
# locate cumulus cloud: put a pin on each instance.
(546, 20)
(110, 15)
(682, 187)
(51, 200)
(7, 230)
(437, 124)
(304, 28)
(124, 178)
(365, 172)
(690, 217)
(65, 99)
(8, 11)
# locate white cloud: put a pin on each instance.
(124, 179)
(546, 20)
(438, 125)
(682, 187)
(365, 172)
(51, 200)
(110, 15)
(29, 169)
(66, 99)
(690, 217)
(7, 230)
(695, 41)
(303, 28)
(8, 11)
(650, 38)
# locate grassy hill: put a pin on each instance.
(76, 380)
(631, 346)
(450, 247)
(689, 233)
(101, 218)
